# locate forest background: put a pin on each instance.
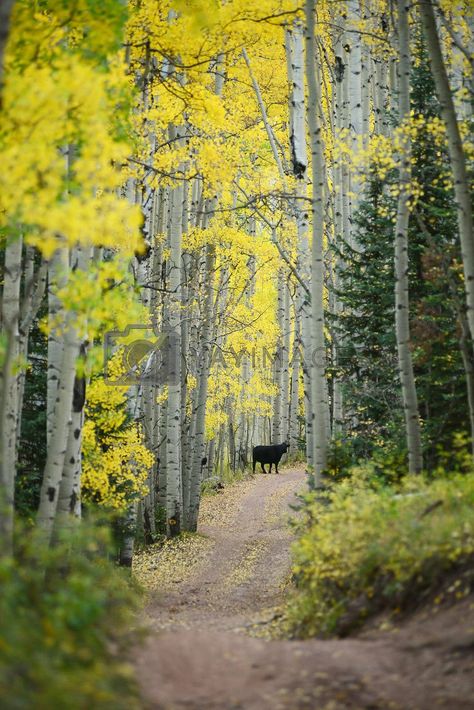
(223, 225)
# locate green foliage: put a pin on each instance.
(367, 361)
(366, 546)
(64, 615)
(387, 462)
(32, 444)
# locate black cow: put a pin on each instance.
(268, 454)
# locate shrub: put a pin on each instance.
(387, 459)
(65, 613)
(365, 547)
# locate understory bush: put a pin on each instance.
(365, 546)
(66, 614)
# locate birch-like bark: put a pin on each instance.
(204, 356)
(355, 103)
(318, 359)
(263, 111)
(341, 211)
(211, 458)
(162, 456)
(380, 96)
(402, 313)
(456, 153)
(297, 110)
(293, 424)
(197, 445)
(128, 536)
(285, 355)
(278, 366)
(366, 82)
(187, 294)
(245, 442)
(174, 493)
(60, 424)
(9, 388)
(69, 502)
(57, 278)
(195, 269)
(150, 418)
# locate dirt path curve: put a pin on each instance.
(210, 593)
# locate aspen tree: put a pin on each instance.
(9, 386)
(277, 424)
(59, 429)
(293, 423)
(285, 354)
(402, 324)
(318, 364)
(69, 501)
(341, 209)
(174, 492)
(197, 446)
(204, 362)
(456, 153)
(355, 102)
(294, 45)
(187, 294)
(57, 278)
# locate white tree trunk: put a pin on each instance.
(293, 423)
(318, 359)
(277, 423)
(285, 354)
(69, 503)
(57, 278)
(402, 314)
(9, 387)
(297, 110)
(456, 153)
(60, 425)
(204, 363)
(128, 538)
(174, 492)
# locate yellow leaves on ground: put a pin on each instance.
(162, 565)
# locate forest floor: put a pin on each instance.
(214, 598)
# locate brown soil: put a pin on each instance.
(212, 596)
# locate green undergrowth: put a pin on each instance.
(364, 547)
(66, 615)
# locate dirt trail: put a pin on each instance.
(212, 594)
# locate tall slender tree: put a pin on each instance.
(456, 152)
(402, 312)
(318, 356)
